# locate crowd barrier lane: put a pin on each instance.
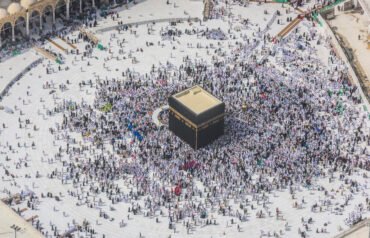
(116, 27)
(18, 77)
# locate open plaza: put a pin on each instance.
(85, 144)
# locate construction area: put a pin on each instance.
(351, 28)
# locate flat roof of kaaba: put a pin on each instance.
(197, 99)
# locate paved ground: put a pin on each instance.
(366, 6)
(67, 210)
(350, 26)
(361, 233)
(360, 230)
(8, 218)
(11, 67)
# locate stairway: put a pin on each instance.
(46, 53)
(68, 43)
(289, 28)
(56, 45)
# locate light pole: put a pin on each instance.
(15, 228)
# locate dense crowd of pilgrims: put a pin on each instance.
(290, 119)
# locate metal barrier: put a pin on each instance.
(18, 77)
(268, 25)
(147, 22)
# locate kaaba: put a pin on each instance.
(196, 116)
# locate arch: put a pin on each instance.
(47, 17)
(32, 11)
(35, 14)
(60, 7)
(34, 20)
(59, 1)
(18, 18)
(6, 32)
(46, 7)
(5, 23)
(20, 26)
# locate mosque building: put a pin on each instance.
(19, 18)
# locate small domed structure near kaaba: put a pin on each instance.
(196, 116)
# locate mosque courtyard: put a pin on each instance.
(85, 149)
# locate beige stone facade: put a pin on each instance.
(360, 230)
(12, 11)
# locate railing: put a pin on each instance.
(261, 33)
(18, 77)
(147, 22)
